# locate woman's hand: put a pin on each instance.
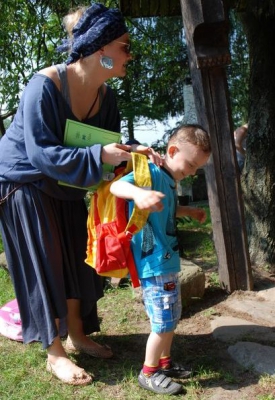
(115, 153)
(154, 156)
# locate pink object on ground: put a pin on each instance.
(10, 321)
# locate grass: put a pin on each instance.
(1, 245)
(23, 375)
(125, 327)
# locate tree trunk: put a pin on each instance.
(2, 127)
(130, 126)
(258, 178)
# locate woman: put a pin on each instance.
(43, 224)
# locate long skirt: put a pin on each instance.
(45, 242)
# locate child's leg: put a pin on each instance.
(162, 301)
(163, 305)
(167, 346)
(158, 344)
(150, 377)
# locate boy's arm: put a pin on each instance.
(144, 199)
(193, 212)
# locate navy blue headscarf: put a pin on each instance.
(97, 27)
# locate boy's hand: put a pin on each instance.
(149, 200)
(193, 212)
(199, 214)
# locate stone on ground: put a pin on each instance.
(192, 280)
(254, 356)
(231, 329)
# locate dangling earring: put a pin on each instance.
(106, 62)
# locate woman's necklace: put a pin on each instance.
(92, 106)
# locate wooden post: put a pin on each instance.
(206, 28)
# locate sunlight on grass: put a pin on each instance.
(205, 372)
(267, 382)
(209, 312)
(119, 308)
(193, 390)
(213, 280)
(7, 293)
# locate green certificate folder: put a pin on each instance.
(78, 134)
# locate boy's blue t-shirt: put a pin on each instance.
(155, 247)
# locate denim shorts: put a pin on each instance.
(162, 300)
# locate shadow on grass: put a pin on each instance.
(209, 360)
(211, 298)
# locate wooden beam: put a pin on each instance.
(206, 28)
(150, 8)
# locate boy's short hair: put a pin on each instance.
(191, 133)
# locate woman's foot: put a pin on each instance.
(88, 346)
(67, 372)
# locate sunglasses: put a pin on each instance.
(127, 47)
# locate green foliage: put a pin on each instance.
(31, 30)
(29, 34)
(152, 88)
(24, 44)
(238, 72)
(214, 280)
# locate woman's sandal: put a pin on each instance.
(98, 351)
(80, 379)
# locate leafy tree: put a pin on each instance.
(29, 33)
(239, 70)
(237, 75)
(152, 89)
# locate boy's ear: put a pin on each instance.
(172, 150)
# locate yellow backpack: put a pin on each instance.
(109, 230)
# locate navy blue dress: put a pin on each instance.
(44, 224)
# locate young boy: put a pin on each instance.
(156, 254)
